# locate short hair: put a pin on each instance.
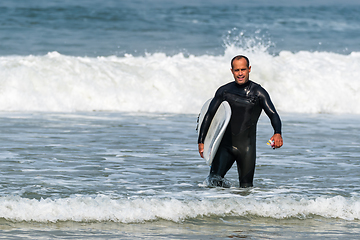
(238, 57)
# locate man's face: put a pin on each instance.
(241, 71)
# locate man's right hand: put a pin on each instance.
(201, 149)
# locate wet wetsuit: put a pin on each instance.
(239, 141)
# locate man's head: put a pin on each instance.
(240, 68)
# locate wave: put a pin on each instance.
(302, 82)
(103, 208)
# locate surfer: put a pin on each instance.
(247, 99)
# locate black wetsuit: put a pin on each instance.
(239, 141)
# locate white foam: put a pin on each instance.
(310, 82)
(103, 208)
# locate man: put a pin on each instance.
(247, 99)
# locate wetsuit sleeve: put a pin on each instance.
(270, 110)
(214, 105)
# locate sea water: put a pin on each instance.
(98, 109)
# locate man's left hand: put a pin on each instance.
(278, 141)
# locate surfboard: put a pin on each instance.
(216, 130)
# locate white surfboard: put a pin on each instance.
(216, 130)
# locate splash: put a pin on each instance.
(302, 82)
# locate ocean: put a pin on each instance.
(98, 108)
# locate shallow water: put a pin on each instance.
(123, 175)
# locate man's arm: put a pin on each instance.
(274, 117)
(214, 105)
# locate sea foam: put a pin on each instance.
(131, 210)
(303, 82)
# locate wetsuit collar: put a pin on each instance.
(243, 85)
